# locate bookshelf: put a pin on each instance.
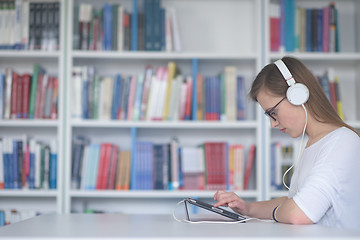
(40, 129)
(213, 34)
(212, 54)
(345, 64)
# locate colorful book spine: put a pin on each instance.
(134, 24)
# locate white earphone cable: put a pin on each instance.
(300, 151)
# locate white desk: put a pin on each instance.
(117, 226)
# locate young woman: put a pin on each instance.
(324, 188)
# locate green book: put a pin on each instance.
(42, 166)
(37, 70)
(96, 97)
(115, 10)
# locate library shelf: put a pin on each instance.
(165, 124)
(29, 54)
(28, 193)
(154, 193)
(29, 123)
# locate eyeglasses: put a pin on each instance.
(270, 113)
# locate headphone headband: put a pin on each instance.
(285, 72)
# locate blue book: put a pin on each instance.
(2, 84)
(31, 180)
(120, 97)
(15, 164)
(163, 29)
(289, 25)
(6, 163)
(156, 25)
(207, 96)
(133, 180)
(240, 98)
(149, 163)
(272, 165)
(10, 164)
(53, 167)
(20, 160)
(217, 89)
(116, 95)
(108, 26)
(308, 30)
(325, 85)
(127, 84)
(319, 26)
(159, 167)
(149, 32)
(134, 25)
(2, 218)
(144, 166)
(84, 97)
(181, 173)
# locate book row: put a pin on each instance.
(161, 95)
(329, 82)
(169, 166)
(149, 27)
(295, 28)
(10, 216)
(282, 158)
(28, 95)
(27, 164)
(29, 25)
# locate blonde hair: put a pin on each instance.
(318, 104)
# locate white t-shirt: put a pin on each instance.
(327, 180)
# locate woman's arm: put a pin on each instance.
(287, 211)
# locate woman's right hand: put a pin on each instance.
(230, 199)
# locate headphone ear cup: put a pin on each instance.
(297, 94)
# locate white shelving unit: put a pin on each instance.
(346, 65)
(213, 52)
(216, 33)
(22, 61)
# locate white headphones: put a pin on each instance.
(297, 93)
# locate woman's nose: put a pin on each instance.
(274, 123)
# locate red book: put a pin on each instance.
(215, 155)
(14, 95)
(19, 97)
(274, 27)
(39, 96)
(333, 95)
(106, 166)
(274, 34)
(188, 99)
(26, 79)
(100, 172)
(113, 167)
(54, 98)
(26, 164)
(325, 29)
(95, 26)
(249, 166)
